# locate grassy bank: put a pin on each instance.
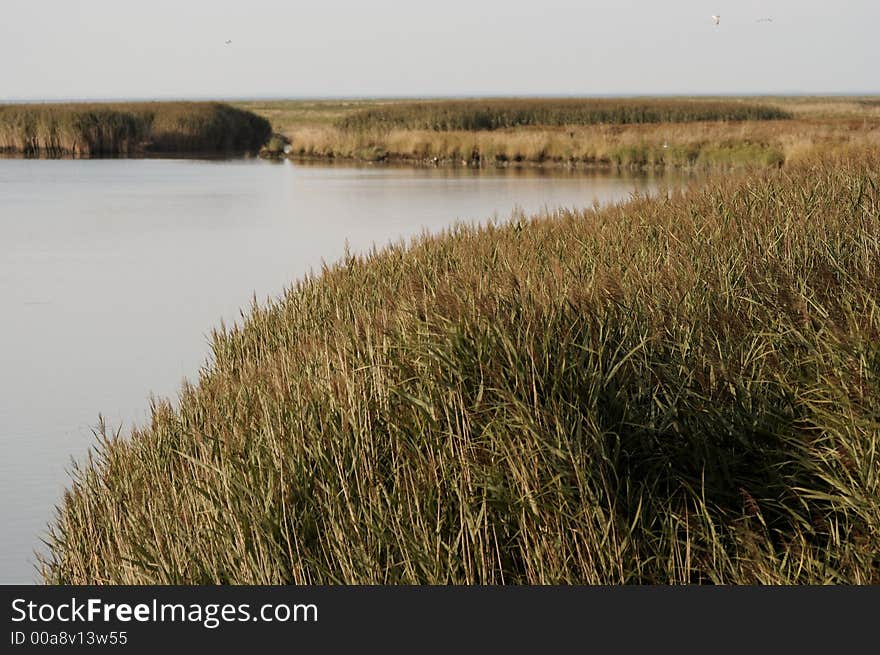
(678, 133)
(681, 389)
(129, 128)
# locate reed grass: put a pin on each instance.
(129, 128)
(678, 389)
(341, 130)
(501, 113)
(669, 146)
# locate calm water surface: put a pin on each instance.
(113, 272)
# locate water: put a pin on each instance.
(113, 272)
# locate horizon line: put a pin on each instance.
(442, 96)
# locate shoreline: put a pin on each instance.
(389, 132)
(453, 163)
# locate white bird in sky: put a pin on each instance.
(716, 19)
(764, 20)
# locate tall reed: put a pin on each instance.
(497, 113)
(128, 128)
(407, 132)
(679, 389)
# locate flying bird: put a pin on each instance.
(228, 42)
(764, 20)
(716, 19)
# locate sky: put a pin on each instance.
(113, 49)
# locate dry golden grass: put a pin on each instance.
(820, 124)
(678, 145)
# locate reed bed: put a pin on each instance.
(129, 128)
(497, 114)
(702, 147)
(340, 130)
(699, 146)
(678, 389)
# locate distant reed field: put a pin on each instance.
(129, 128)
(496, 114)
(692, 133)
(679, 389)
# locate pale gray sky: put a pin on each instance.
(175, 48)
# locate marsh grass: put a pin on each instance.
(407, 132)
(712, 146)
(500, 113)
(129, 128)
(679, 389)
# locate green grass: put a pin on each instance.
(495, 114)
(680, 389)
(129, 128)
